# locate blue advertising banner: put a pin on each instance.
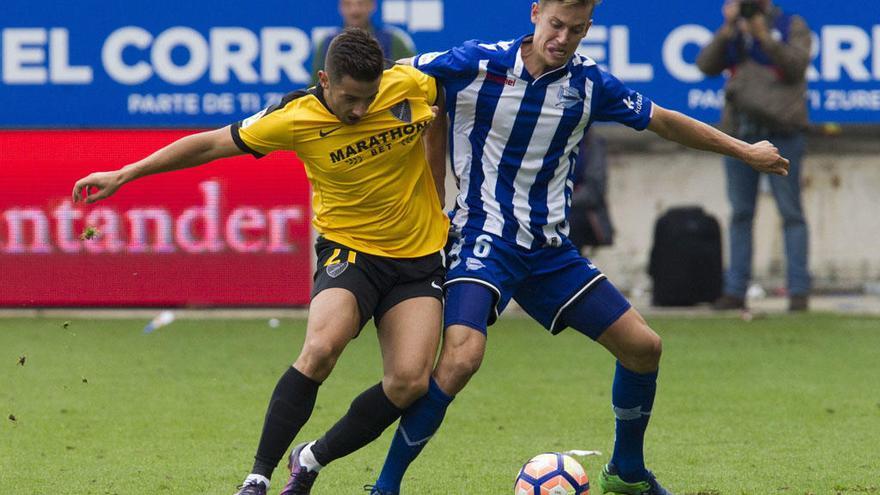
(101, 63)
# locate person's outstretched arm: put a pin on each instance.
(674, 126)
(186, 152)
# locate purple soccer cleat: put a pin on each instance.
(301, 479)
(252, 488)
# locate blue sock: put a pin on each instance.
(632, 397)
(417, 425)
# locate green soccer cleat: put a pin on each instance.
(610, 482)
(375, 490)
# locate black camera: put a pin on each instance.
(748, 8)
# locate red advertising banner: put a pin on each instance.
(231, 233)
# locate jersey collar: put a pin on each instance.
(318, 92)
(513, 60)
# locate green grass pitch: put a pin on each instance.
(785, 404)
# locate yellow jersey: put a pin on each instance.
(372, 188)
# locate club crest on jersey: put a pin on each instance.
(336, 269)
(568, 97)
(402, 112)
(427, 58)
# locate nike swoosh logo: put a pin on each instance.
(331, 131)
(434, 285)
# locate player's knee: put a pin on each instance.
(405, 388)
(644, 356)
(460, 365)
(653, 348)
(318, 358)
(465, 365)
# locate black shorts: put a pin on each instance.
(377, 282)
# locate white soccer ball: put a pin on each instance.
(552, 474)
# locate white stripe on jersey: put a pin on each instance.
(465, 110)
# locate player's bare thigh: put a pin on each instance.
(334, 320)
(409, 334)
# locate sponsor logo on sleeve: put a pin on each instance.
(253, 118)
(634, 105)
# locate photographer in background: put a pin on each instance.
(766, 52)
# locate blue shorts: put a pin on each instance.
(544, 281)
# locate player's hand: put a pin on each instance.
(764, 157)
(97, 186)
(435, 111)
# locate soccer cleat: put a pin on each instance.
(374, 490)
(610, 482)
(301, 479)
(252, 488)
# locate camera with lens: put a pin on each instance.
(748, 8)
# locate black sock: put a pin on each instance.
(289, 409)
(369, 415)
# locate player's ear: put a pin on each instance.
(587, 30)
(323, 79)
(536, 10)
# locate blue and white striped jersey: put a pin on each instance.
(513, 139)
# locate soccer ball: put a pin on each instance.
(552, 474)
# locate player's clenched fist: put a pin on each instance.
(764, 157)
(96, 186)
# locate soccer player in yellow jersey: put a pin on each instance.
(377, 209)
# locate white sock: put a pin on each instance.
(307, 458)
(256, 478)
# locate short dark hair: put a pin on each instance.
(354, 53)
(587, 3)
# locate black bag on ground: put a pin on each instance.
(686, 258)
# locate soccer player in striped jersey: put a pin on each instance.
(516, 113)
(361, 135)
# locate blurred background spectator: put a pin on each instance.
(590, 221)
(358, 13)
(766, 52)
